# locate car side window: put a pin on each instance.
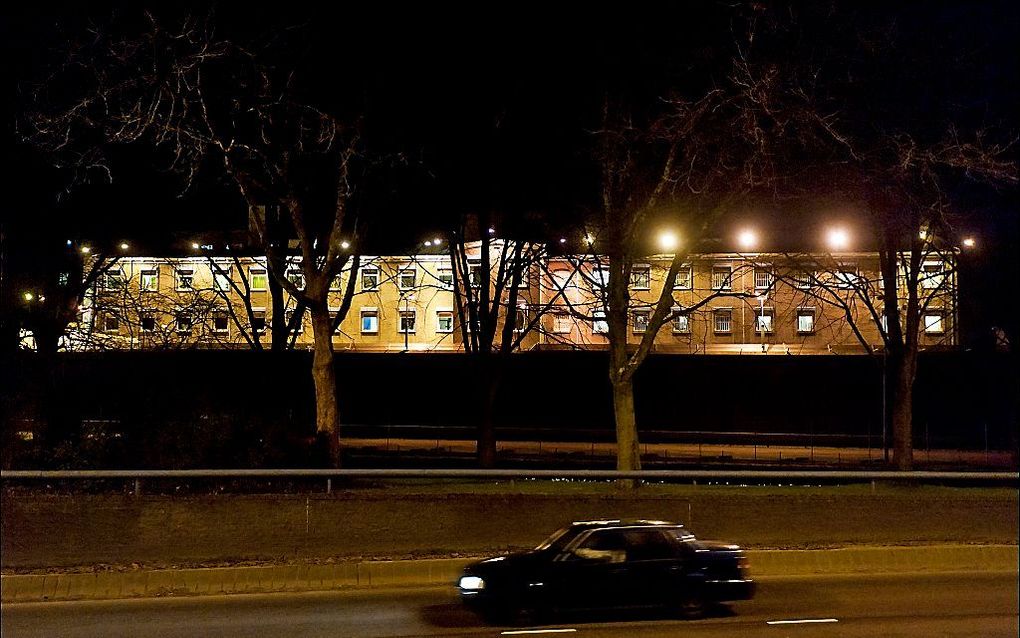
(649, 544)
(606, 544)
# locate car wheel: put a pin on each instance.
(691, 607)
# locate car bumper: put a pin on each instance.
(723, 590)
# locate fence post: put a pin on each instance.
(138, 487)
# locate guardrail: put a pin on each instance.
(693, 476)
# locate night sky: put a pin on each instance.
(492, 107)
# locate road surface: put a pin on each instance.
(979, 605)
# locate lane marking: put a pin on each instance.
(520, 632)
(804, 621)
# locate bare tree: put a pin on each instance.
(199, 100)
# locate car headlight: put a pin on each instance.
(471, 583)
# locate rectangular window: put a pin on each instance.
(185, 279)
(370, 278)
(111, 323)
(407, 321)
(762, 278)
(681, 323)
(763, 320)
(846, 277)
(63, 279)
(931, 276)
(723, 320)
(641, 277)
(525, 274)
(475, 273)
(149, 281)
(805, 321)
(148, 322)
(220, 323)
(369, 321)
(258, 322)
(444, 321)
(684, 278)
(641, 321)
(932, 323)
(521, 318)
(600, 276)
(562, 323)
(445, 276)
(599, 325)
(296, 276)
(804, 280)
(407, 278)
(183, 322)
(722, 277)
(259, 278)
(221, 278)
(336, 283)
(113, 279)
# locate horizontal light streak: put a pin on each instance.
(804, 621)
(520, 632)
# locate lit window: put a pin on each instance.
(763, 320)
(259, 278)
(407, 277)
(370, 278)
(600, 277)
(525, 281)
(931, 276)
(684, 278)
(296, 276)
(723, 320)
(805, 320)
(336, 283)
(521, 318)
(846, 278)
(599, 326)
(63, 278)
(445, 276)
(641, 321)
(681, 323)
(369, 321)
(258, 321)
(111, 323)
(475, 273)
(444, 321)
(113, 279)
(933, 323)
(148, 322)
(804, 280)
(762, 278)
(562, 323)
(221, 278)
(185, 279)
(722, 277)
(641, 277)
(183, 322)
(149, 280)
(221, 323)
(407, 321)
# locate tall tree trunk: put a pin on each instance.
(491, 376)
(628, 456)
(902, 369)
(327, 415)
(278, 335)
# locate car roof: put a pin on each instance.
(623, 522)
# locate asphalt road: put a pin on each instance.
(925, 605)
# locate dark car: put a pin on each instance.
(603, 564)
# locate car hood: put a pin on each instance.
(510, 562)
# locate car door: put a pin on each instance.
(652, 567)
(590, 573)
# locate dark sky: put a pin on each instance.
(493, 105)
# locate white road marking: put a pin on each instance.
(537, 631)
(804, 621)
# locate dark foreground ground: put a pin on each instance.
(908, 605)
(83, 531)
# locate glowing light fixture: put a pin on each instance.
(969, 242)
(85, 250)
(838, 238)
(668, 240)
(589, 239)
(428, 242)
(28, 296)
(124, 245)
(436, 241)
(747, 239)
(563, 240)
(345, 244)
(194, 245)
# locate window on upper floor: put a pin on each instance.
(369, 321)
(722, 277)
(684, 278)
(640, 321)
(763, 278)
(185, 279)
(932, 323)
(641, 277)
(723, 320)
(259, 279)
(149, 280)
(370, 278)
(407, 278)
(444, 321)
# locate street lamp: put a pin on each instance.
(124, 245)
(85, 250)
(668, 240)
(345, 244)
(969, 242)
(28, 296)
(838, 238)
(747, 239)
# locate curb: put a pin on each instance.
(295, 578)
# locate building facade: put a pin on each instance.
(723, 303)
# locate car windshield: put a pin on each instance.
(559, 539)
